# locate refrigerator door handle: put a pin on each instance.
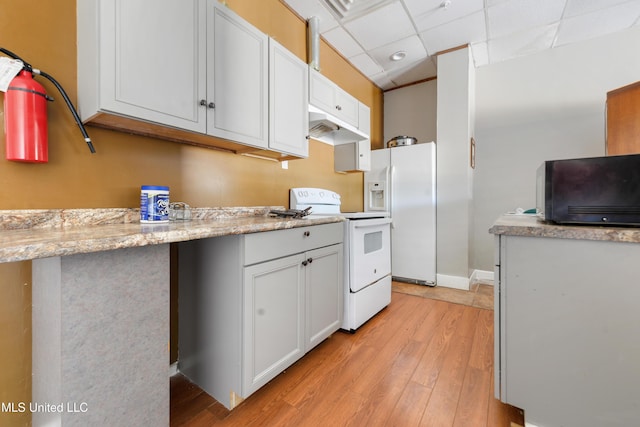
(390, 172)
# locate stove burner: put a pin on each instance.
(290, 213)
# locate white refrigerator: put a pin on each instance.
(402, 181)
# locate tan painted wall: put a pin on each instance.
(15, 340)
(44, 35)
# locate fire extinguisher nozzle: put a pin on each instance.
(90, 144)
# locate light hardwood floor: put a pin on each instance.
(418, 362)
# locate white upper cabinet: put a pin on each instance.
(329, 97)
(352, 156)
(288, 102)
(364, 118)
(347, 107)
(163, 67)
(237, 78)
(143, 59)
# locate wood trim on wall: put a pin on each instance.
(453, 49)
(428, 79)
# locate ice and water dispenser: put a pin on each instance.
(376, 196)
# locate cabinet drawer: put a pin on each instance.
(260, 247)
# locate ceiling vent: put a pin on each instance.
(346, 10)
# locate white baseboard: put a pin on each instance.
(459, 282)
(173, 369)
(455, 282)
(482, 276)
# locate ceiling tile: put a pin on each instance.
(384, 25)
(383, 81)
(421, 7)
(456, 33)
(307, 9)
(417, 71)
(522, 43)
(365, 64)
(342, 42)
(347, 10)
(440, 15)
(480, 53)
(579, 7)
(496, 30)
(598, 23)
(516, 15)
(411, 45)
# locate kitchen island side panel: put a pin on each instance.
(210, 316)
(100, 338)
(569, 330)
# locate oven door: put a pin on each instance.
(369, 251)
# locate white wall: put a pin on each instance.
(411, 111)
(454, 175)
(541, 107)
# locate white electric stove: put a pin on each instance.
(367, 254)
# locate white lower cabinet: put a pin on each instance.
(251, 305)
(324, 294)
(566, 329)
(273, 319)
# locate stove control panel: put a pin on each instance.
(313, 196)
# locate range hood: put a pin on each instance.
(330, 129)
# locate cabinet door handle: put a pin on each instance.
(211, 105)
(203, 102)
(310, 260)
(306, 234)
(339, 108)
(304, 263)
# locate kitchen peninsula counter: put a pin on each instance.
(100, 298)
(31, 234)
(531, 226)
(566, 316)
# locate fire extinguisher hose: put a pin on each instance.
(70, 105)
(74, 112)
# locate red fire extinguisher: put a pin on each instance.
(25, 120)
(25, 115)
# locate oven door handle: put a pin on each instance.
(371, 222)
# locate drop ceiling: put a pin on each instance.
(368, 32)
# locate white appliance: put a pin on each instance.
(367, 254)
(402, 181)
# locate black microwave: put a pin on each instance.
(596, 190)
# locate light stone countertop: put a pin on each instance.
(531, 226)
(31, 234)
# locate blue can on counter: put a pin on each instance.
(154, 204)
